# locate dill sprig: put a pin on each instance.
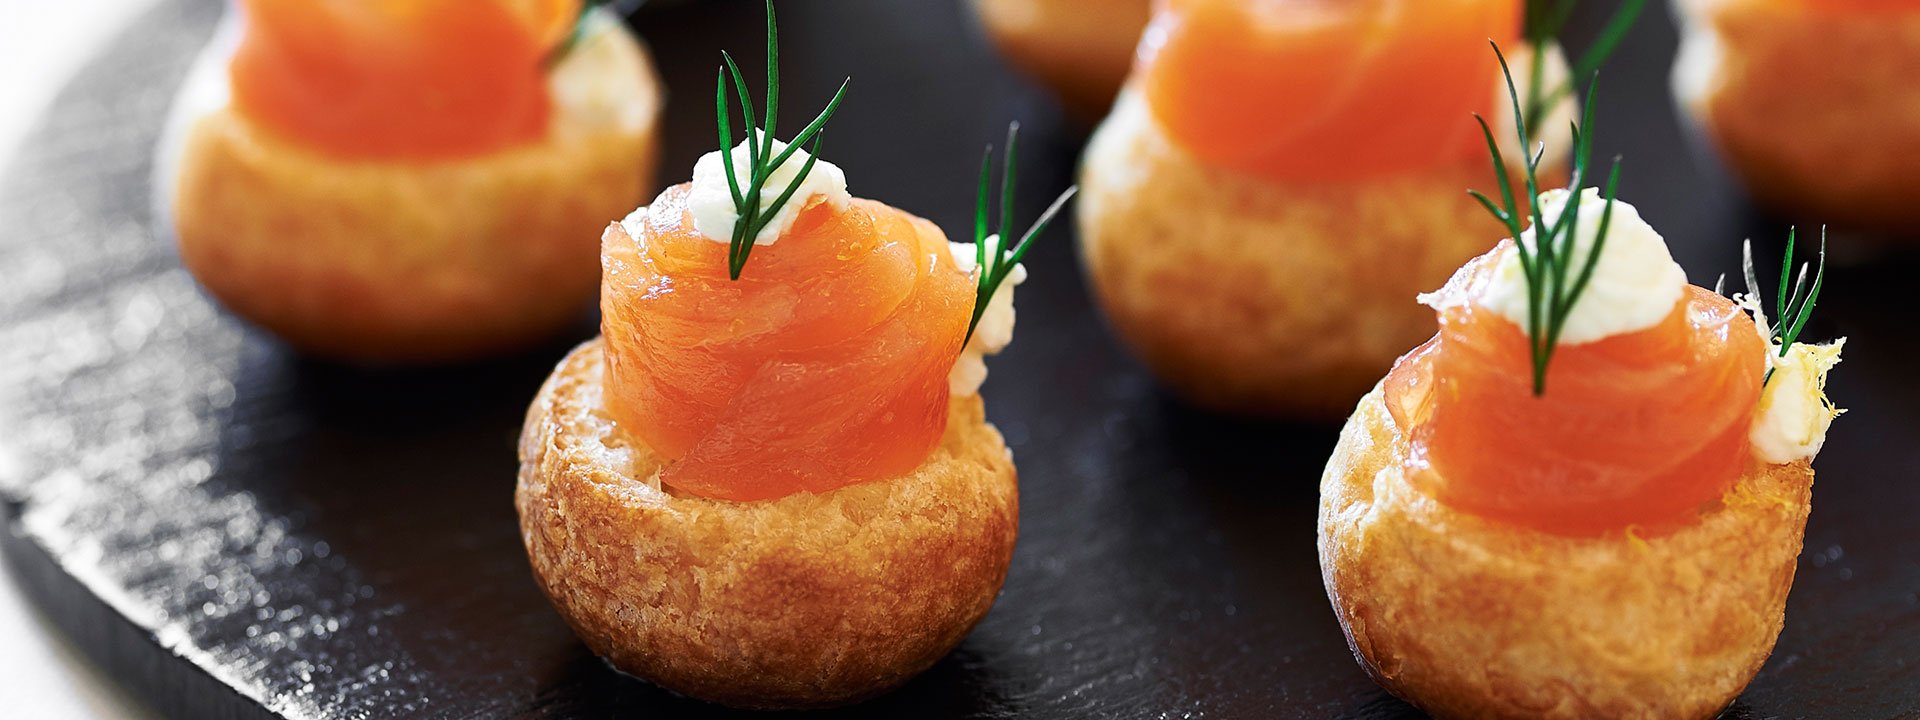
(1790, 310)
(996, 263)
(747, 201)
(1545, 20)
(1552, 289)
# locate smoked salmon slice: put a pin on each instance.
(1329, 90)
(1638, 431)
(399, 79)
(825, 364)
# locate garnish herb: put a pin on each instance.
(1545, 20)
(752, 215)
(1551, 293)
(1790, 311)
(996, 263)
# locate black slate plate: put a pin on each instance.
(235, 531)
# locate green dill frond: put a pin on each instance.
(1545, 19)
(996, 263)
(1790, 309)
(753, 216)
(1552, 286)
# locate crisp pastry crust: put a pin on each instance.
(806, 601)
(1080, 49)
(1214, 277)
(1816, 110)
(1468, 618)
(397, 261)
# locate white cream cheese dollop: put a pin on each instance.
(995, 331)
(1634, 286)
(711, 199)
(1791, 421)
(1794, 413)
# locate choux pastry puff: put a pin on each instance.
(1613, 538)
(1252, 222)
(1811, 103)
(770, 484)
(381, 186)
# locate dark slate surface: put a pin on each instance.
(234, 531)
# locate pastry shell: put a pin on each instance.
(810, 600)
(415, 261)
(1251, 296)
(1816, 110)
(1469, 618)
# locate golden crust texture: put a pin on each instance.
(1217, 279)
(397, 261)
(1816, 110)
(1081, 49)
(806, 601)
(1467, 618)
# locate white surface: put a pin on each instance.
(42, 42)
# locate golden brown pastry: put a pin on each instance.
(805, 601)
(1582, 498)
(392, 251)
(1079, 48)
(1470, 618)
(1257, 249)
(1214, 277)
(770, 484)
(1811, 102)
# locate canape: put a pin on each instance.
(402, 181)
(770, 484)
(1079, 49)
(1811, 102)
(1584, 497)
(1280, 172)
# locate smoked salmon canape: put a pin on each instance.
(1812, 103)
(770, 483)
(1080, 49)
(408, 181)
(1279, 178)
(1585, 496)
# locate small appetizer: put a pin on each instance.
(1783, 87)
(1080, 49)
(1279, 171)
(410, 180)
(1584, 496)
(771, 484)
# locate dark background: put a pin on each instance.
(235, 531)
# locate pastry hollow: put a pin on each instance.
(809, 600)
(1468, 618)
(1218, 279)
(1816, 110)
(1080, 49)
(402, 261)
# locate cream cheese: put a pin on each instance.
(1794, 413)
(1634, 286)
(711, 198)
(995, 330)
